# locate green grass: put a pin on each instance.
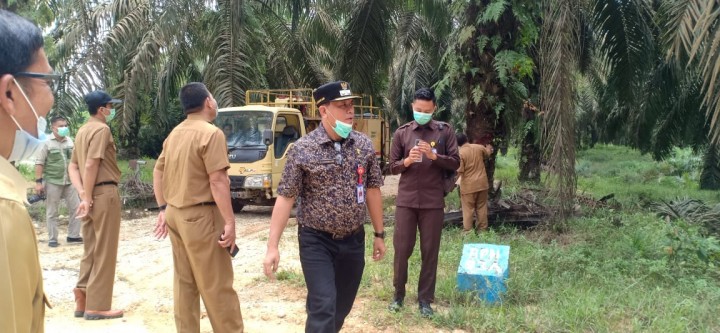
(610, 272)
(146, 171)
(637, 179)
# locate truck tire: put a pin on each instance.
(237, 206)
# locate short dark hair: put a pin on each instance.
(94, 110)
(97, 99)
(20, 40)
(55, 119)
(461, 139)
(424, 94)
(192, 96)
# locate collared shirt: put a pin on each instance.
(193, 150)
(21, 285)
(94, 140)
(327, 191)
(472, 168)
(55, 157)
(421, 184)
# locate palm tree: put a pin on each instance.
(420, 36)
(693, 31)
(489, 62)
(646, 99)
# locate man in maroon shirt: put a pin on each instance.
(422, 151)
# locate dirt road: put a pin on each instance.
(144, 286)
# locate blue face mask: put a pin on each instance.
(63, 131)
(421, 117)
(26, 145)
(341, 129)
(111, 116)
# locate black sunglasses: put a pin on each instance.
(52, 79)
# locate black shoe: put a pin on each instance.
(425, 310)
(74, 240)
(396, 305)
(53, 244)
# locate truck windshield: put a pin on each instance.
(243, 132)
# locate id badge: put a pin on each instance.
(360, 194)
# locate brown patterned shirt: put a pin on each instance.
(325, 185)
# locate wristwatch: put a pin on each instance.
(38, 180)
(380, 235)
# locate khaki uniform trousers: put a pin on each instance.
(55, 193)
(474, 203)
(101, 232)
(202, 268)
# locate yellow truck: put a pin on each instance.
(260, 133)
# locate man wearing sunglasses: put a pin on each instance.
(25, 100)
(333, 174)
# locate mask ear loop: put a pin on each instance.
(26, 98)
(39, 120)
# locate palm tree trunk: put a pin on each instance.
(710, 175)
(530, 151)
(485, 124)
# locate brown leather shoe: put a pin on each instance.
(96, 315)
(79, 302)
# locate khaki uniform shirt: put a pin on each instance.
(21, 285)
(94, 140)
(421, 184)
(193, 150)
(324, 180)
(55, 157)
(472, 168)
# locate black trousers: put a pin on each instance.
(333, 270)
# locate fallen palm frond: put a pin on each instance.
(692, 211)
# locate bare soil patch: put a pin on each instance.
(144, 287)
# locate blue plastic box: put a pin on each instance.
(484, 268)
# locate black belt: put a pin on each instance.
(106, 183)
(336, 236)
(206, 203)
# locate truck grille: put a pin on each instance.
(237, 181)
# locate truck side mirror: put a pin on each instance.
(267, 137)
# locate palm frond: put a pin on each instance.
(694, 36)
(364, 53)
(625, 38)
(559, 59)
(693, 211)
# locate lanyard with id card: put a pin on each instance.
(360, 185)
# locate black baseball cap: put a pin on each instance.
(333, 91)
(99, 98)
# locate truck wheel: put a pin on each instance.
(237, 206)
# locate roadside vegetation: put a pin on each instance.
(613, 270)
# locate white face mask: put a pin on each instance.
(27, 145)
